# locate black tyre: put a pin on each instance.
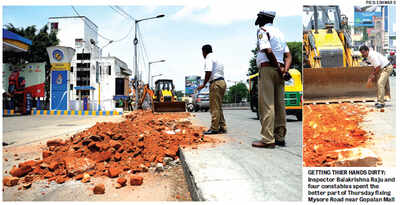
(299, 115)
(190, 107)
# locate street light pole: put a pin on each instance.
(151, 62)
(101, 64)
(154, 76)
(135, 42)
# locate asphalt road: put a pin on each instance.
(236, 171)
(383, 125)
(21, 130)
(243, 125)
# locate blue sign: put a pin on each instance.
(59, 80)
(365, 19)
(59, 90)
(58, 55)
(191, 83)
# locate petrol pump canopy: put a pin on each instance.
(14, 42)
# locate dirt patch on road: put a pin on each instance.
(327, 128)
(141, 142)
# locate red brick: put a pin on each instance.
(60, 179)
(117, 157)
(136, 180)
(99, 189)
(122, 181)
(30, 163)
(20, 172)
(10, 181)
(53, 165)
(115, 144)
(48, 175)
(46, 154)
(79, 176)
(56, 142)
(113, 172)
(106, 156)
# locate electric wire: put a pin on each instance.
(105, 38)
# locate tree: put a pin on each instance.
(295, 49)
(253, 64)
(237, 92)
(37, 51)
(179, 93)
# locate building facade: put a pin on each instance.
(375, 26)
(92, 77)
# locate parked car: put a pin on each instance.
(201, 101)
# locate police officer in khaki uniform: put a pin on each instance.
(382, 71)
(215, 74)
(273, 60)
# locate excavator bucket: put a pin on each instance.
(169, 107)
(336, 85)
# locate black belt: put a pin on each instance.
(387, 65)
(264, 64)
(221, 78)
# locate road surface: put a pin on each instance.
(237, 171)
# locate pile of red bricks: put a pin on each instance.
(112, 149)
(327, 128)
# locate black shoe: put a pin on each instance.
(379, 105)
(222, 131)
(261, 144)
(211, 132)
(376, 104)
(280, 143)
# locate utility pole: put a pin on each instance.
(135, 42)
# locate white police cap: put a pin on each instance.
(270, 14)
(263, 14)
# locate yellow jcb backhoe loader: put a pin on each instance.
(163, 99)
(332, 72)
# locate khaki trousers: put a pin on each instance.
(217, 91)
(381, 83)
(271, 105)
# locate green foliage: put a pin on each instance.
(37, 51)
(295, 49)
(237, 92)
(226, 98)
(253, 64)
(179, 93)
